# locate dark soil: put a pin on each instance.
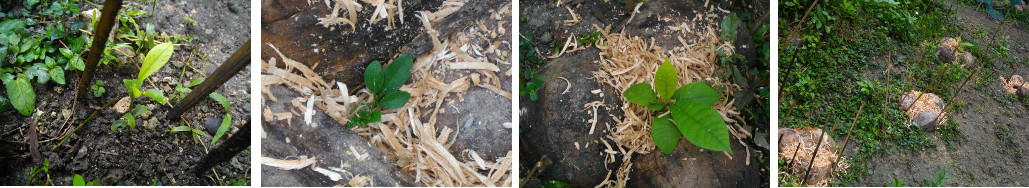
(148, 154)
(988, 150)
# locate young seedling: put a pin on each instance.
(385, 86)
(689, 107)
(98, 88)
(79, 181)
(154, 61)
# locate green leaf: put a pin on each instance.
(132, 87)
(30, 3)
(77, 63)
(666, 80)
(154, 60)
(397, 73)
(226, 122)
(78, 181)
(640, 94)
(701, 125)
(373, 77)
(20, 93)
(67, 53)
(139, 109)
(729, 25)
(129, 119)
(195, 81)
(665, 135)
(697, 92)
(187, 128)
(221, 99)
(395, 100)
(98, 88)
(157, 95)
(3, 103)
(57, 75)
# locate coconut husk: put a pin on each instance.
(798, 146)
(926, 102)
(1012, 85)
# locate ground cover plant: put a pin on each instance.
(836, 59)
(109, 135)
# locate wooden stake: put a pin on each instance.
(229, 68)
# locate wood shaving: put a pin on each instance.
(332, 175)
(304, 161)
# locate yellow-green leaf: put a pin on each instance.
(154, 60)
(665, 80)
(226, 122)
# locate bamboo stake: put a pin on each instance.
(229, 68)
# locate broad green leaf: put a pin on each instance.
(20, 93)
(375, 117)
(226, 122)
(729, 25)
(57, 75)
(640, 94)
(665, 135)
(77, 63)
(701, 125)
(139, 109)
(221, 100)
(154, 60)
(187, 128)
(78, 181)
(133, 89)
(697, 92)
(373, 77)
(665, 80)
(157, 95)
(395, 100)
(67, 53)
(397, 73)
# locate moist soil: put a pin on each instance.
(148, 154)
(988, 150)
(553, 124)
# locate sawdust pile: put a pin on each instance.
(389, 10)
(797, 146)
(410, 134)
(927, 102)
(628, 60)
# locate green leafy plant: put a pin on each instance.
(79, 181)
(530, 64)
(98, 88)
(589, 38)
(190, 21)
(226, 121)
(385, 85)
(152, 62)
(129, 118)
(689, 108)
(237, 182)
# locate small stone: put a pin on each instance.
(150, 108)
(927, 120)
(151, 123)
(211, 124)
(546, 38)
(122, 106)
(65, 113)
(178, 64)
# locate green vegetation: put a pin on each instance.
(39, 51)
(98, 88)
(237, 182)
(79, 181)
(530, 64)
(385, 85)
(691, 111)
(836, 60)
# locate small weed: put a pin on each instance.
(237, 182)
(385, 85)
(227, 120)
(530, 64)
(937, 181)
(79, 181)
(98, 88)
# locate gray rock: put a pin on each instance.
(927, 121)
(945, 53)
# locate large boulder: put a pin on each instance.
(555, 124)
